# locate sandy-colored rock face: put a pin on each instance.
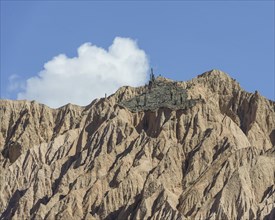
(212, 160)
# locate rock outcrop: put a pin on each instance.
(205, 152)
(160, 93)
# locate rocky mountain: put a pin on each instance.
(202, 149)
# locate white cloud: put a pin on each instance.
(94, 72)
(15, 83)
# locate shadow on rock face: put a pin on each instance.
(13, 204)
(12, 151)
(272, 137)
(271, 215)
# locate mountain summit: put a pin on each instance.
(201, 149)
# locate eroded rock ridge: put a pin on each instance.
(160, 93)
(201, 149)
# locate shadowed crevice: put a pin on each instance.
(13, 204)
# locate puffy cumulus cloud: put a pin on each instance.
(94, 72)
(15, 83)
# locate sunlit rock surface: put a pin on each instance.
(202, 149)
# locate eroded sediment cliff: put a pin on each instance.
(205, 150)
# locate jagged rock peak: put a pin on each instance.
(215, 73)
(160, 93)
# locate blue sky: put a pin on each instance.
(181, 39)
